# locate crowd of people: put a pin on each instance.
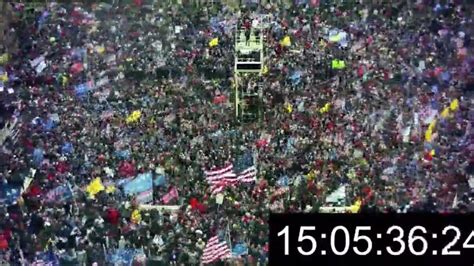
(393, 124)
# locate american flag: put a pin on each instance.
(219, 179)
(215, 250)
(60, 193)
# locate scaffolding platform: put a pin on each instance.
(249, 62)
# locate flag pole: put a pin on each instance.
(228, 235)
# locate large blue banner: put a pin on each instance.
(141, 183)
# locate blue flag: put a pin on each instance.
(124, 154)
(38, 156)
(283, 181)
(141, 183)
(48, 125)
(78, 53)
(239, 250)
(9, 194)
(83, 88)
(296, 77)
(446, 76)
(67, 148)
(42, 19)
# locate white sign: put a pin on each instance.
(41, 66)
(147, 207)
(220, 199)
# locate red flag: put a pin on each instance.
(194, 203)
(219, 99)
(262, 143)
(126, 169)
(3, 242)
(113, 216)
(76, 68)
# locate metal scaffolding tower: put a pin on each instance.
(249, 64)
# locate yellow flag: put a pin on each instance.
(354, 208)
(265, 70)
(289, 108)
(110, 189)
(136, 216)
(286, 41)
(342, 64)
(4, 77)
(94, 187)
(454, 105)
(4, 58)
(325, 108)
(429, 131)
(311, 175)
(338, 64)
(214, 42)
(428, 135)
(100, 49)
(336, 38)
(134, 117)
(432, 125)
(445, 112)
